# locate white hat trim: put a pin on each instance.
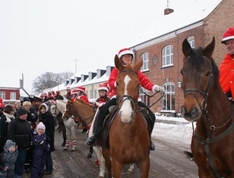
(228, 38)
(102, 88)
(80, 89)
(125, 52)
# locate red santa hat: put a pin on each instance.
(228, 35)
(125, 51)
(75, 91)
(103, 86)
(81, 88)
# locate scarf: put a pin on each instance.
(9, 117)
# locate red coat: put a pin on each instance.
(144, 81)
(84, 98)
(226, 74)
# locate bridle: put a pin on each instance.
(203, 108)
(121, 99)
(204, 94)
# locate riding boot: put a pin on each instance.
(151, 122)
(97, 129)
(152, 146)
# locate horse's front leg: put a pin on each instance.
(117, 168)
(101, 159)
(144, 167)
(73, 136)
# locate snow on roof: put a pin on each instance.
(188, 14)
(10, 77)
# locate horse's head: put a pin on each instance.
(69, 111)
(127, 89)
(198, 73)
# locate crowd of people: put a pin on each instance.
(27, 135)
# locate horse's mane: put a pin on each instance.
(197, 61)
(83, 102)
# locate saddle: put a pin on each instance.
(103, 141)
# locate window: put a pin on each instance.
(145, 57)
(2, 95)
(167, 56)
(168, 101)
(12, 95)
(191, 41)
(144, 98)
(95, 93)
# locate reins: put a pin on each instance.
(203, 108)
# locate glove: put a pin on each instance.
(157, 88)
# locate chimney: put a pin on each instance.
(168, 11)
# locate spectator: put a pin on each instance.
(17, 106)
(48, 120)
(19, 131)
(6, 118)
(39, 151)
(8, 159)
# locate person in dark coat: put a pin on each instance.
(40, 150)
(19, 131)
(5, 118)
(47, 118)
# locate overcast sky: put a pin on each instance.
(38, 36)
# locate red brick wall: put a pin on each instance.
(214, 25)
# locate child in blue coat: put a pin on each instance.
(40, 150)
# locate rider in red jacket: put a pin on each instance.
(226, 69)
(81, 94)
(126, 56)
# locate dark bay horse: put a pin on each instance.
(129, 140)
(205, 103)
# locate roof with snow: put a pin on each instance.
(187, 15)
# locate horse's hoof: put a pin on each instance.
(65, 148)
(89, 155)
(73, 149)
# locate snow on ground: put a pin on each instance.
(175, 130)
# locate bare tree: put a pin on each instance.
(49, 80)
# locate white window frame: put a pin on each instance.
(167, 56)
(145, 58)
(168, 101)
(12, 95)
(3, 94)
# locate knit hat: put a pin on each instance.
(40, 126)
(228, 35)
(125, 51)
(21, 112)
(80, 88)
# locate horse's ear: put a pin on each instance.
(209, 49)
(186, 48)
(138, 65)
(118, 63)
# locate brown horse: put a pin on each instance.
(204, 103)
(79, 109)
(129, 140)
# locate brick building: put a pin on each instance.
(160, 46)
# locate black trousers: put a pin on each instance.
(104, 111)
